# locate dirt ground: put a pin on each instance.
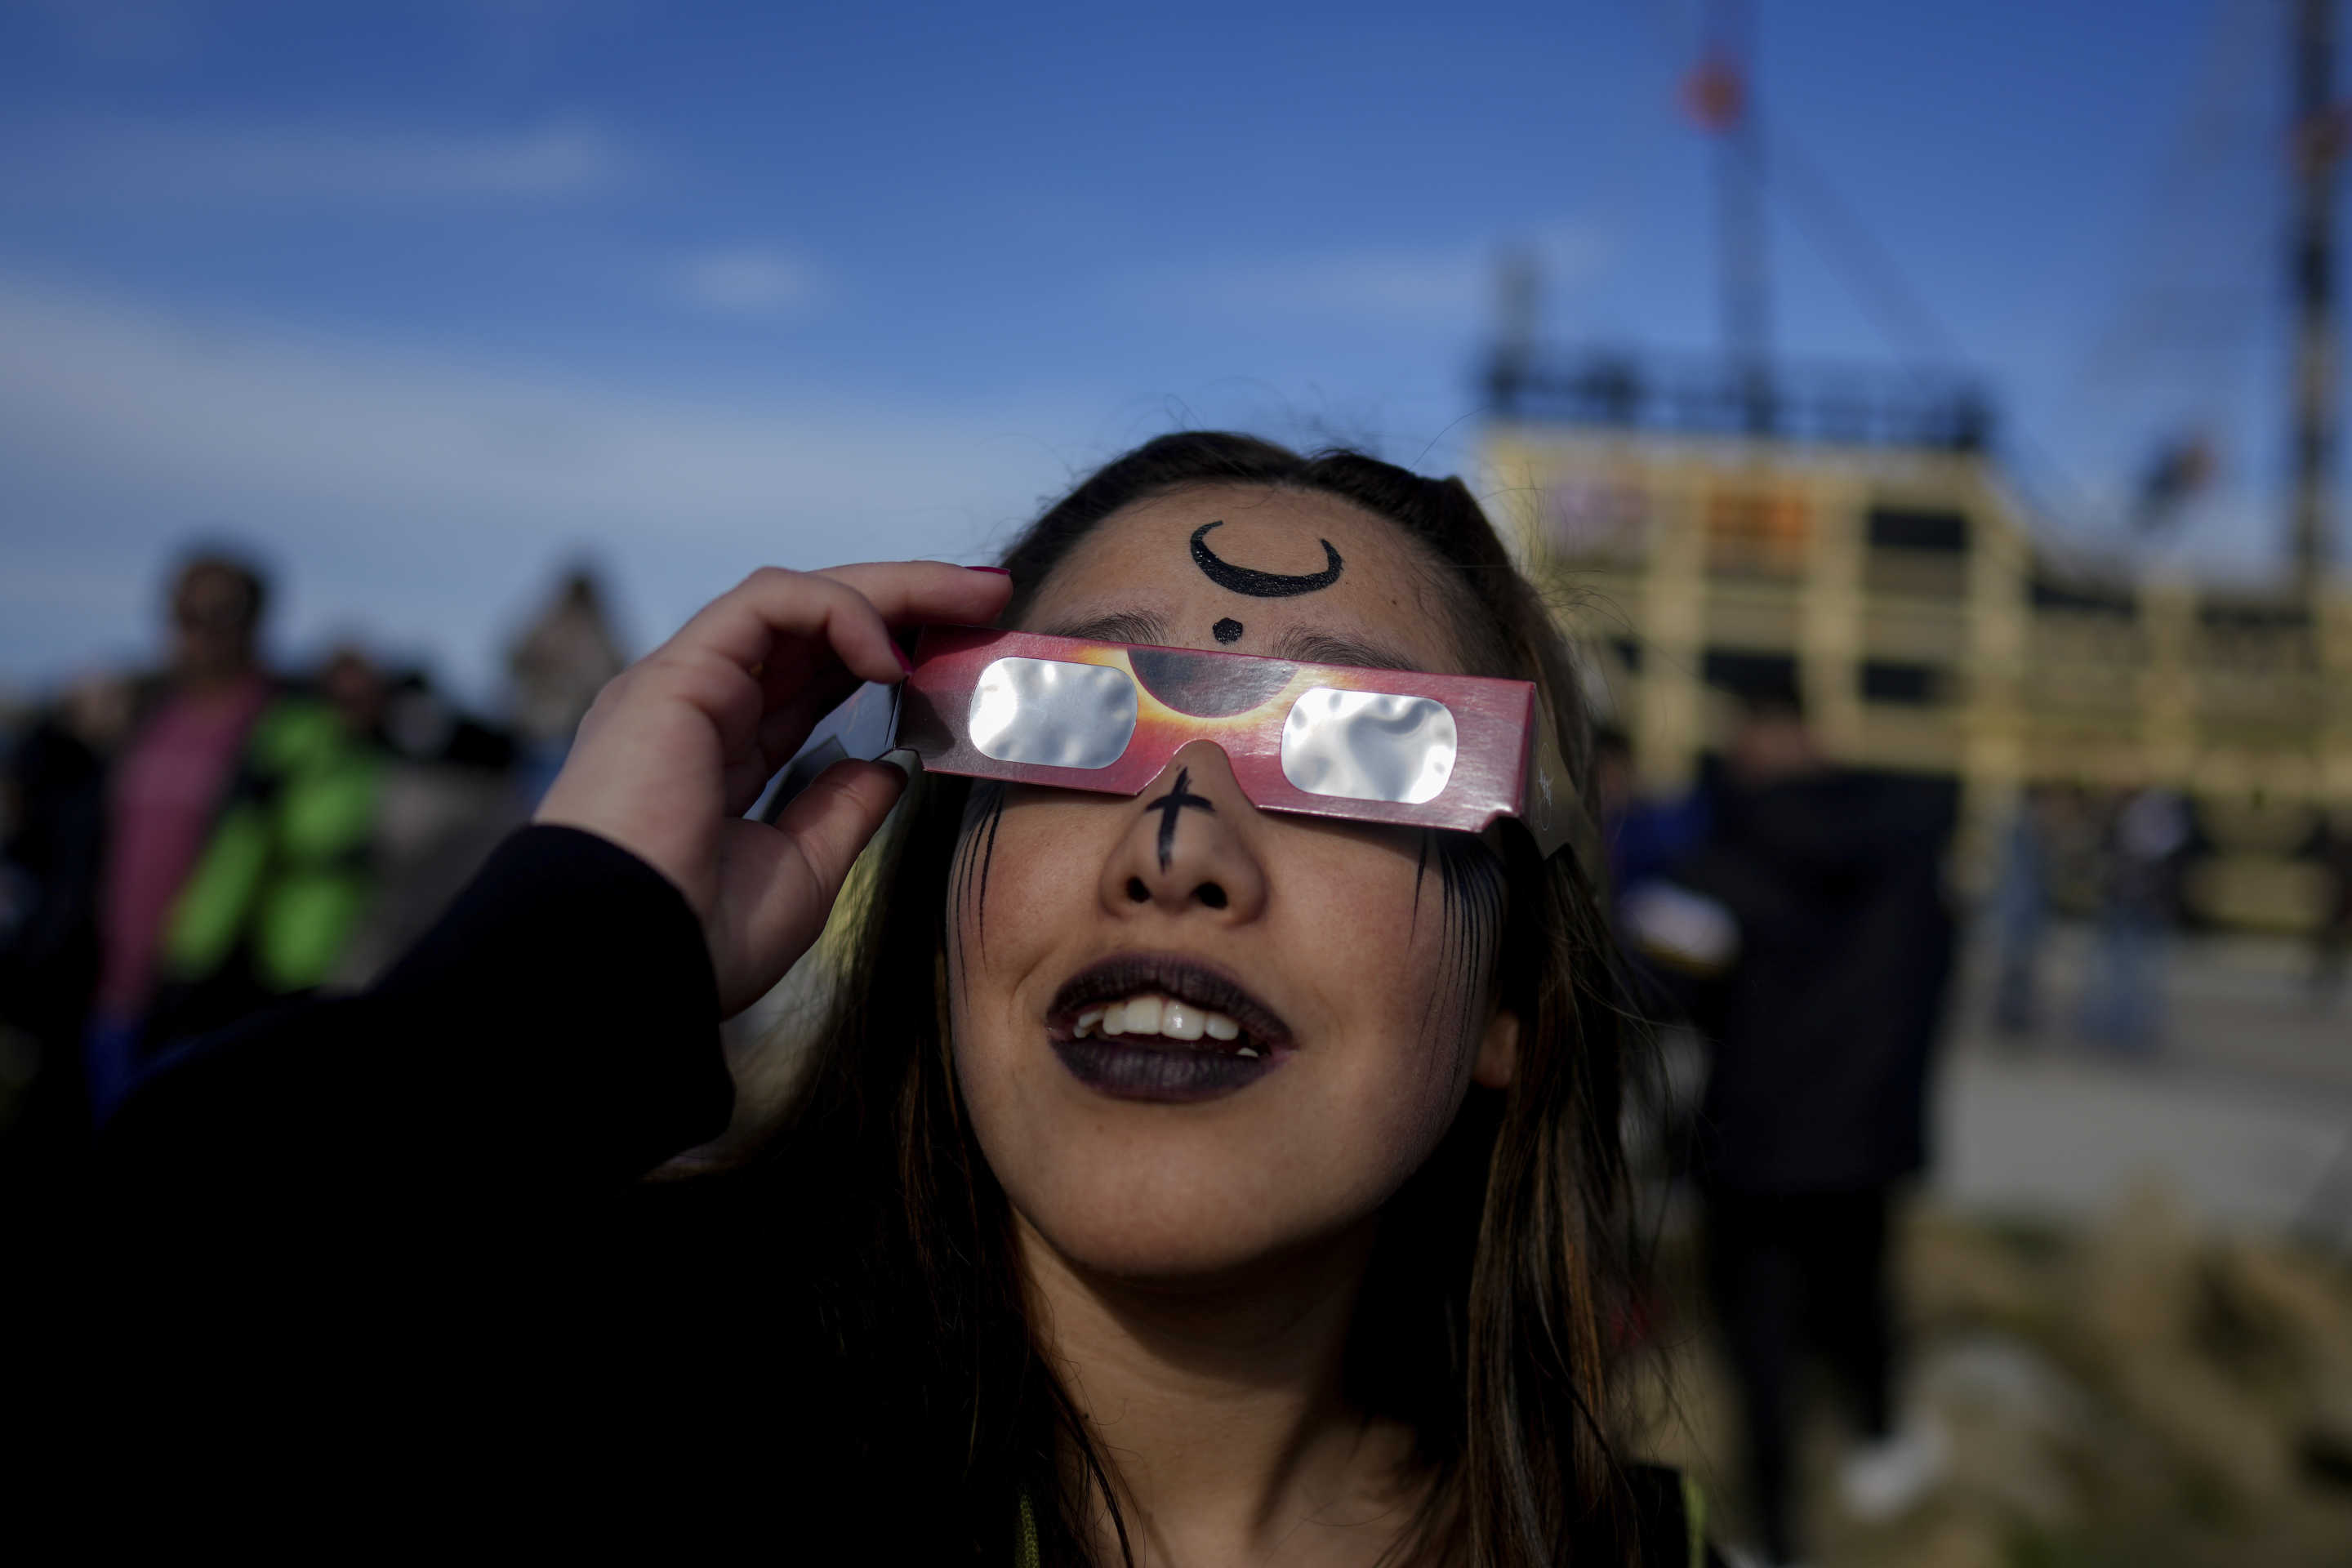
(2127, 1391)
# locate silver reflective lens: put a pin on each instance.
(1055, 714)
(1363, 745)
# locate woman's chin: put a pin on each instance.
(1191, 1192)
(1189, 1231)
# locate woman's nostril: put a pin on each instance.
(1137, 891)
(1211, 894)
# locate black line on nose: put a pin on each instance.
(1169, 806)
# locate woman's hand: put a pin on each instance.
(680, 743)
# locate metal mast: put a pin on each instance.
(2318, 142)
(1517, 286)
(1721, 94)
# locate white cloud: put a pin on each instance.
(168, 398)
(1443, 286)
(295, 165)
(428, 499)
(747, 282)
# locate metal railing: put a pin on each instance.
(1824, 403)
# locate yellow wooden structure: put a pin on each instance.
(1867, 549)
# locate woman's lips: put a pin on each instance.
(1108, 992)
(1126, 1071)
(1164, 1026)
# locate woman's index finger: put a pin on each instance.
(743, 625)
(912, 591)
(851, 605)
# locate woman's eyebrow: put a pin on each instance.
(1306, 645)
(1123, 625)
(1301, 644)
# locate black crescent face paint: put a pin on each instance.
(1260, 584)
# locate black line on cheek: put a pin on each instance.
(1448, 891)
(1420, 871)
(1490, 959)
(974, 855)
(1472, 882)
(1460, 931)
(961, 866)
(988, 855)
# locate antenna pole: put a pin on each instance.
(1517, 285)
(1725, 97)
(2318, 144)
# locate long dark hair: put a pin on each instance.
(1481, 1323)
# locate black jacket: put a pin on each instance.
(396, 1255)
(1825, 1027)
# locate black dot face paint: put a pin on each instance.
(1227, 630)
(1256, 583)
(1169, 806)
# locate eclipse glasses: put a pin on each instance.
(1454, 751)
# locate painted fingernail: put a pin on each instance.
(1000, 571)
(904, 760)
(906, 664)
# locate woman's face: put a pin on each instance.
(1346, 963)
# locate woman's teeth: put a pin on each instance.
(1162, 1015)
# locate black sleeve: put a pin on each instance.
(555, 1034)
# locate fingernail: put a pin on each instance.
(906, 664)
(906, 761)
(1000, 571)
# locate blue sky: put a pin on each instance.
(421, 301)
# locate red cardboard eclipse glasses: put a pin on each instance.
(1365, 745)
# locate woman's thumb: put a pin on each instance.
(836, 816)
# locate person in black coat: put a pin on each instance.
(1306, 1257)
(55, 785)
(1823, 1026)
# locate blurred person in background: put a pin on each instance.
(55, 814)
(1646, 839)
(1832, 960)
(2020, 912)
(2330, 848)
(1667, 935)
(1175, 1180)
(350, 681)
(445, 796)
(2146, 837)
(1647, 836)
(236, 830)
(164, 791)
(556, 668)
